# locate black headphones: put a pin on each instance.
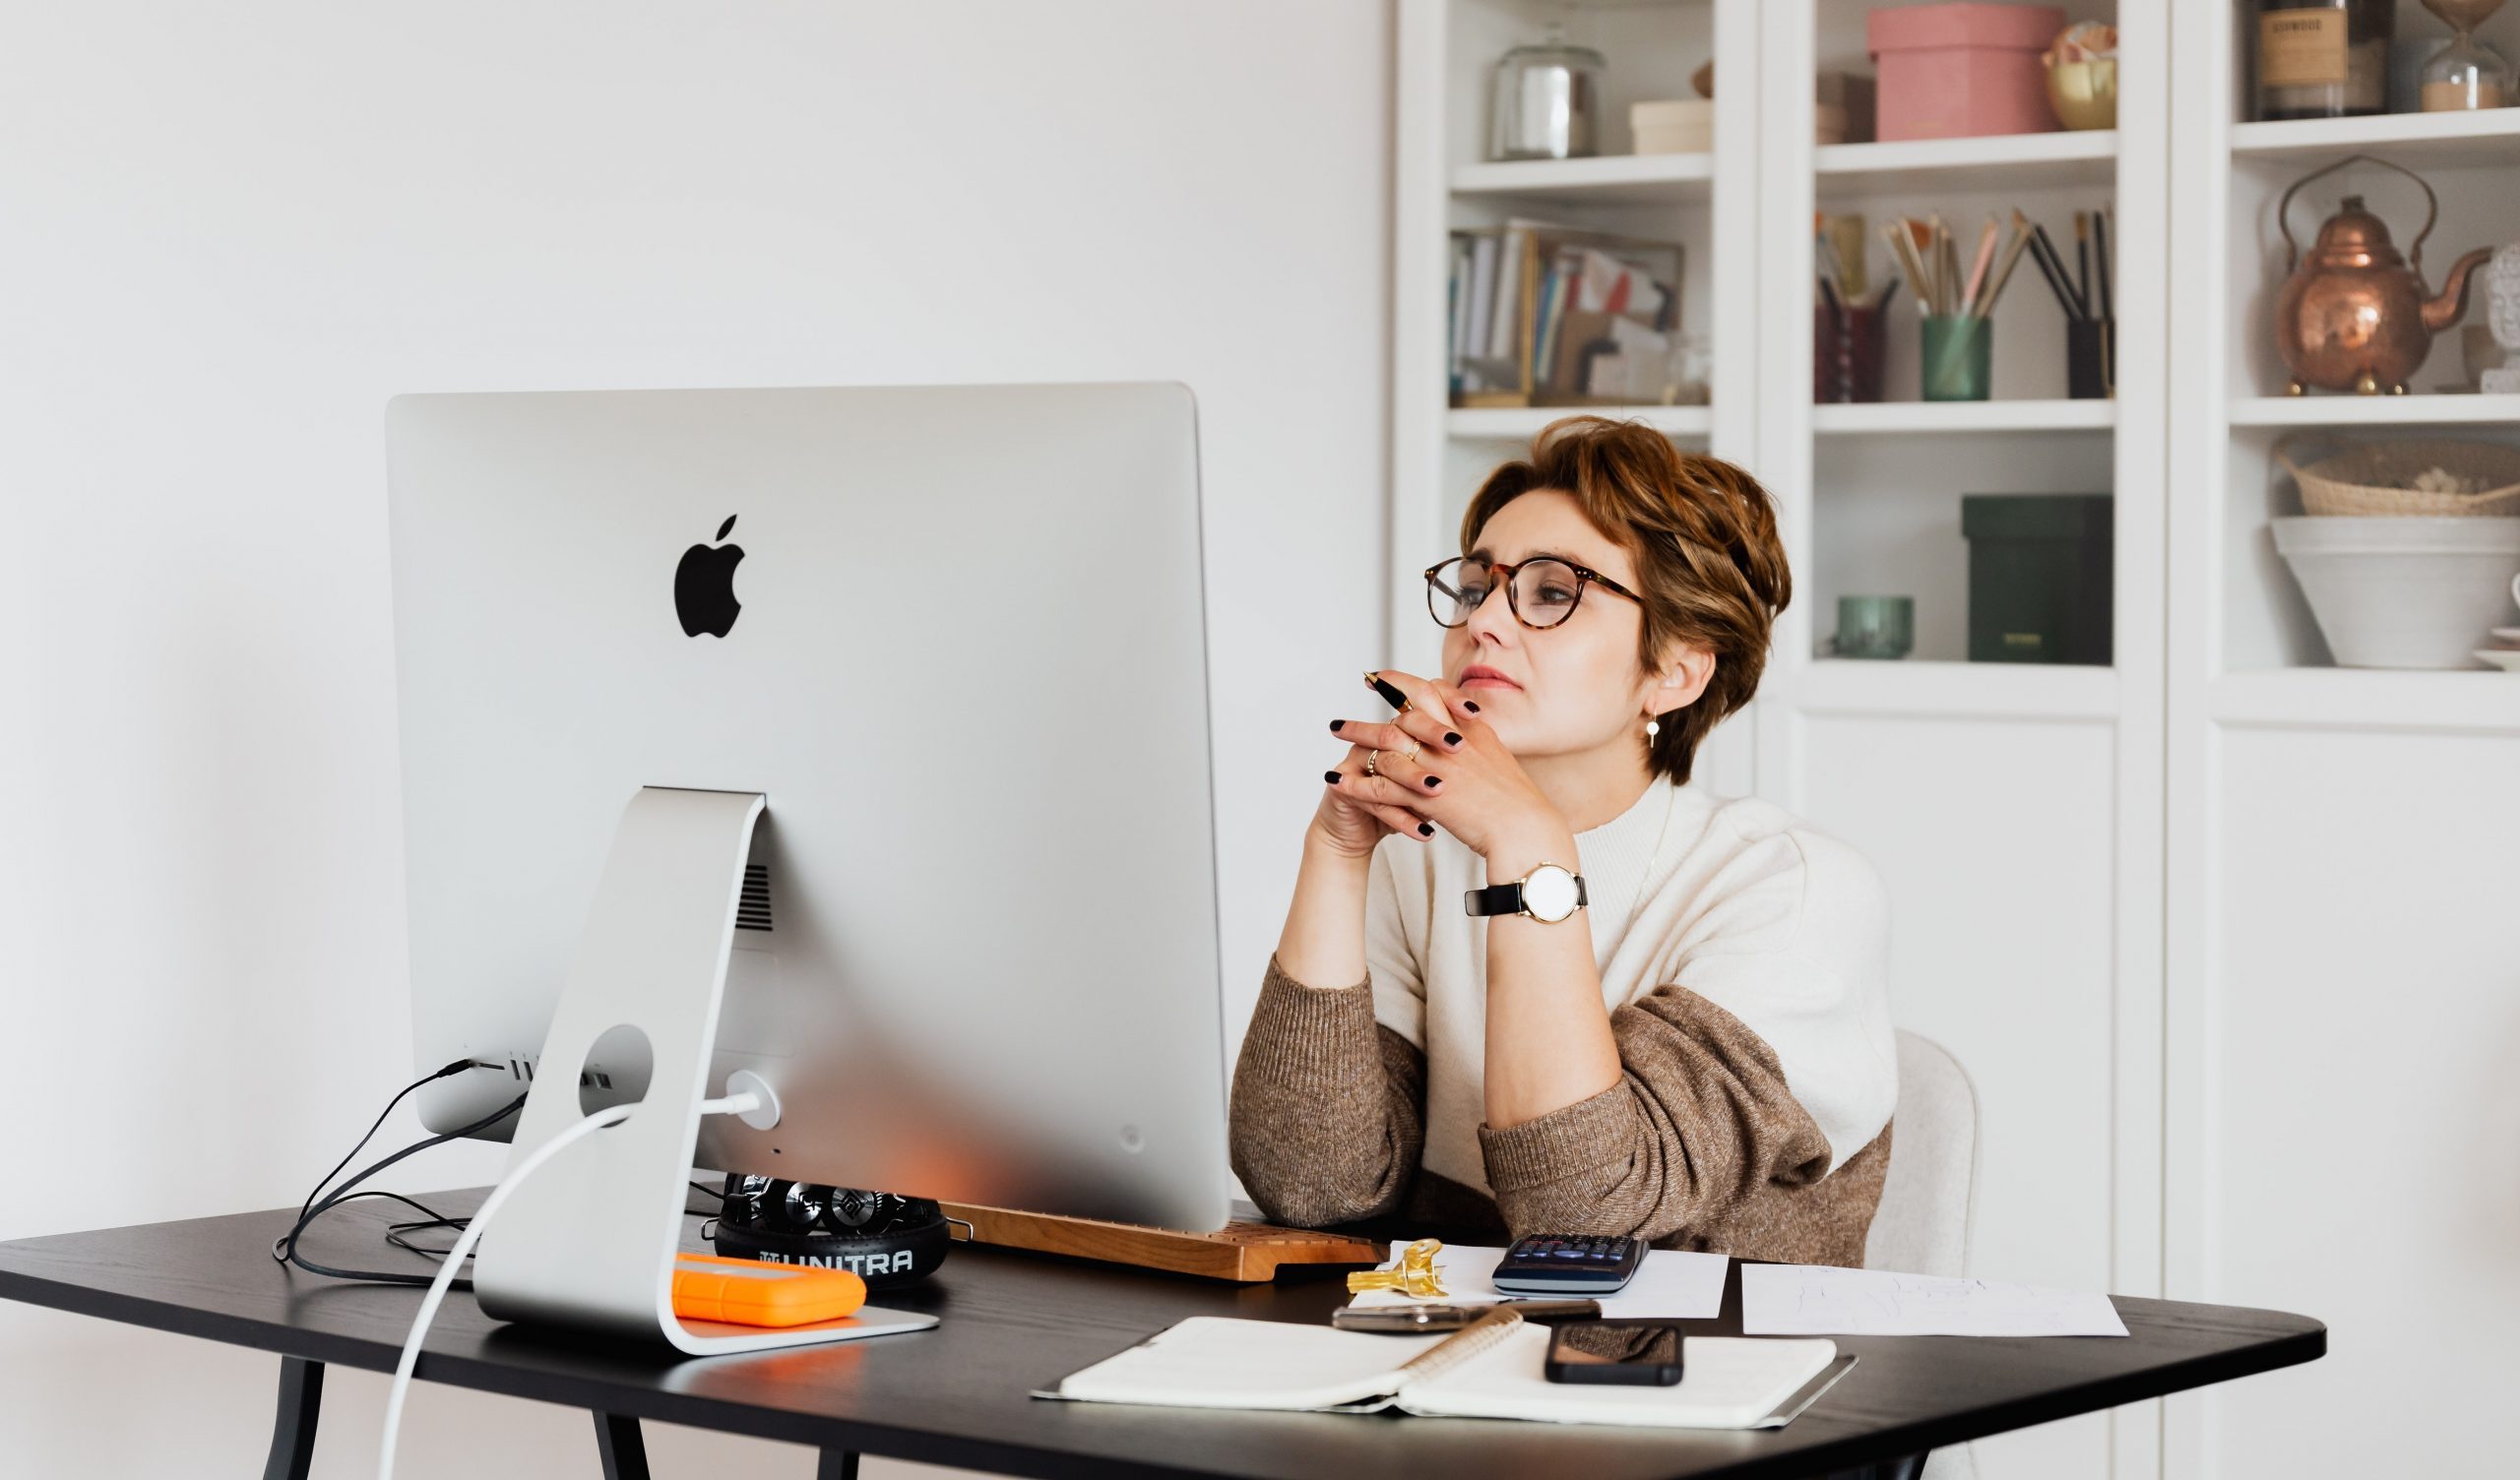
(884, 1239)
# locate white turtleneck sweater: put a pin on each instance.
(1736, 900)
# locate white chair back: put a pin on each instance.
(1932, 1190)
(1931, 1194)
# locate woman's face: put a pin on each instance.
(1576, 686)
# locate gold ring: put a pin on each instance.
(1371, 757)
(1415, 746)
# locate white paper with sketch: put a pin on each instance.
(1674, 1284)
(1822, 1300)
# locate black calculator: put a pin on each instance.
(1569, 1264)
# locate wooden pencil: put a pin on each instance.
(2012, 257)
(1981, 257)
(1903, 251)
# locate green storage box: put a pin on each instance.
(2041, 575)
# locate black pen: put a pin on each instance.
(1390, 696)
(1417, 1319)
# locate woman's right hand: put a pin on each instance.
(1347, 825)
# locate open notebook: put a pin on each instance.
(1491, 1369)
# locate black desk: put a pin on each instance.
(1012, 1322)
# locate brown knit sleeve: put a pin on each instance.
(1699, 1123)
(1325, 1125)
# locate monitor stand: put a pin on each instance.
(589, 1241)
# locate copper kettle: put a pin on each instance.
(2354, 315)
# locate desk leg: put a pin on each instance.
(623, 1448)
(836, 1465)
(301, 1401)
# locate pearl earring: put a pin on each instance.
(1653, 727)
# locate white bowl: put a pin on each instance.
(2402, 592)
(2505, 658)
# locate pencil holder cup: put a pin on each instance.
(1957, 355)
(2091, 358)
(1846, 353)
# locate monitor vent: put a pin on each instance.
(753, 911)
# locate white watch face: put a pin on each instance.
(1548, 893)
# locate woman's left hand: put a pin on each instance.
(1462, 779)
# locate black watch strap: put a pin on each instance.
(1507, 899)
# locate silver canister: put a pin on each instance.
(1547, 103)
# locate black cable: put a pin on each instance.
(319, 1203)
(394, 1235)
(285, 1247)
(456, 1068)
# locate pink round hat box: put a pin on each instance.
(1963, 71)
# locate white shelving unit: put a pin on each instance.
(2329, 829)
(2223, 932)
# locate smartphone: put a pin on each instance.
(1641, 1353)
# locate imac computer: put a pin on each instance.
(849, 745)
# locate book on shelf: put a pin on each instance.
(1542, 314)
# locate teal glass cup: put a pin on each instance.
(1958, 353)
(1875, 627)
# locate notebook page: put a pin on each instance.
(1727, 1382)
(1216, 1361)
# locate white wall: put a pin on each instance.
(227, 235)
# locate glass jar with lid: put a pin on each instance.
(1546, 101)
(2323, 58)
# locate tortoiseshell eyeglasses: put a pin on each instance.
(1541, 592)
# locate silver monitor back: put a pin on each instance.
(963, 658)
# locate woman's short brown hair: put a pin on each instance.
(1709, 563)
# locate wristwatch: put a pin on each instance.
(1547, 892)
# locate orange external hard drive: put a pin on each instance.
(750, 1292)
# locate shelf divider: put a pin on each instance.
(2376, 410)
(1892, 417)
(1916, 689)
(1603, 180)
(2476, 701)
(2003, 161)
(1521, 423)
(2420, 139)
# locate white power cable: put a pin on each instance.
(463, 1250)
(741, 1103)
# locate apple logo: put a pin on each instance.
(704, 586)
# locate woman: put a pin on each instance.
(1700, 1052)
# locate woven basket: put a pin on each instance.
(2356, 482)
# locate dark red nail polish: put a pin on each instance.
(1467, 705)
(1451, 739)
(1426, 829)
(1434, 781)
(1335, 725)
(1330, 776)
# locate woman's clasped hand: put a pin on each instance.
(1436, 763)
